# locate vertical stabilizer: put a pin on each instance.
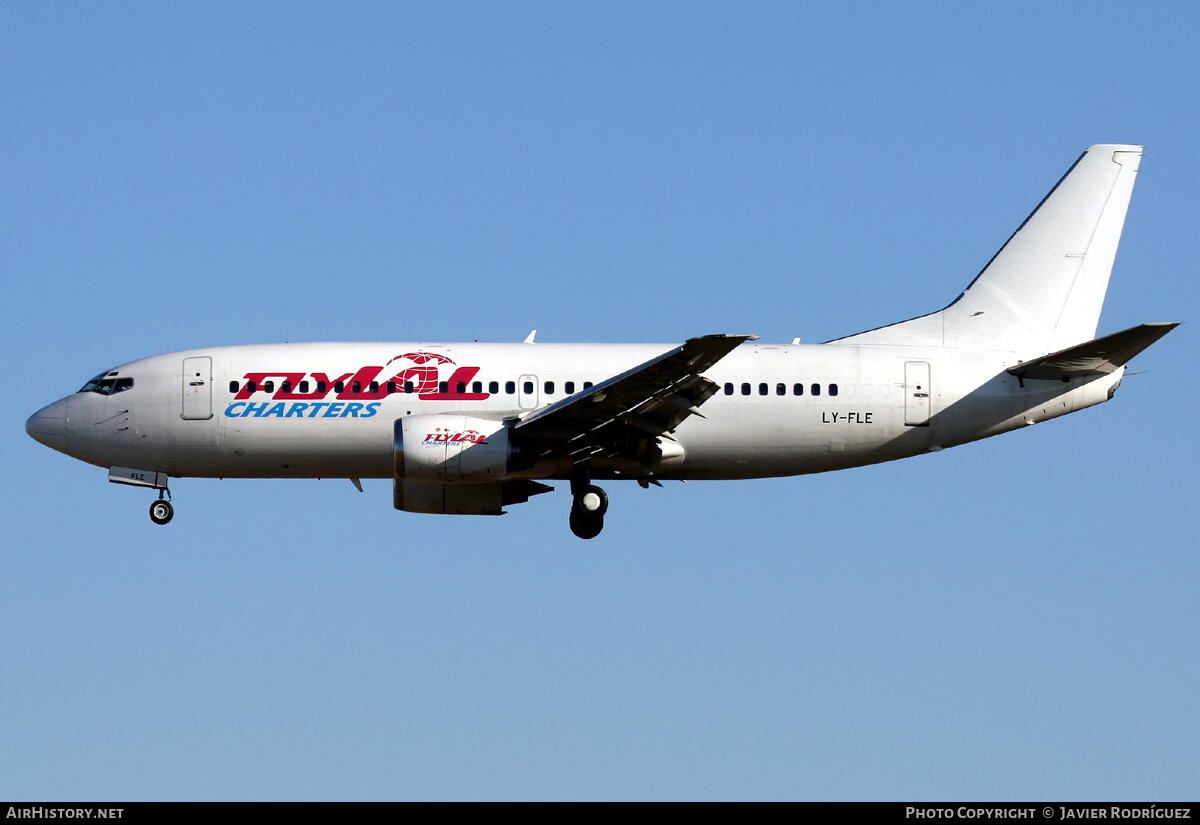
(1044, 289)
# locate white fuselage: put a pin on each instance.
(779, 410)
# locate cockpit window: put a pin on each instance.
(107, 383)
(91, 386)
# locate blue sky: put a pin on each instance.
(1014, 619)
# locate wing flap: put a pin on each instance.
(1097, 357)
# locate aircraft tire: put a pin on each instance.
(586, 525)
(161, 512)
(592, 500)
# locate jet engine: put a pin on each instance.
(456, 464)
(450, 449)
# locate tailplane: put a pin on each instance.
(1099, 357)
(1044, 289)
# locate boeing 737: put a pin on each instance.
(471, 428)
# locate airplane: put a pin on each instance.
(472, 428)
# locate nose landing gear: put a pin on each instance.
(161, 511)
(588, 506)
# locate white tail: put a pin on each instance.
(1044, 289)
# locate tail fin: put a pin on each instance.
(1044, 289)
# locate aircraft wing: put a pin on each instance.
(1098, 357)
(648, 401)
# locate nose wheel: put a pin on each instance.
(587, 511)
(161, 511)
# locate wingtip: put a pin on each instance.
(725, 336)
(1117, 147)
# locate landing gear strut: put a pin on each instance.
(588, 506)
(161, 511)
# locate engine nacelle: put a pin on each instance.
(450, 449)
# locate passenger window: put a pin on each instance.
(833, 389)
(304, 386)
(356, 387)
(477, 387)
(587, 385)
(762, 389)
(252, 386)
(815, 389)
(233, 386)
(391, 387)
(781, 389)
(408, 386)
(268, 386)
(510, 387)
(569, 388)
(797, 389)
(745, 389)
(729, 389)
(493, 387)
(374, 387)
(322, 387)
(339, 386)
(549, 385)
(527, 388)
(443, 387)
(286, 386)
(460, 387)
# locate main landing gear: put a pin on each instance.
(161, 511)
(589, 503)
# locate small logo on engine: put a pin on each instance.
(445, 438)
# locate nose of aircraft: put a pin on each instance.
(49, 426)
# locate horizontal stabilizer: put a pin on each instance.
(1098, 357)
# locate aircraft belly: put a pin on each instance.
(309, 456)
(795, 440)
(1002, 404)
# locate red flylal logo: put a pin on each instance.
(431, 376)
(445, 438)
